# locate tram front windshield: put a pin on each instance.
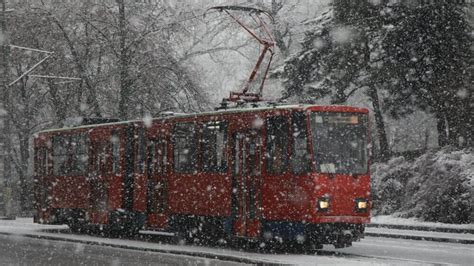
(340, 142)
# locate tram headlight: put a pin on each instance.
(323, 204)
(361, 205)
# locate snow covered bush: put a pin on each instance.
(437, 186)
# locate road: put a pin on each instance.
(16, 249)
(25, 243)
(19, 250)
(413, 250)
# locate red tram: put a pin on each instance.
(291, 173)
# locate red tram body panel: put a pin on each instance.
(297, 173)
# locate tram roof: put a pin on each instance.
(218, 112)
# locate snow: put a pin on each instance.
(436, 186)
(391, 220)
(343, 35)
(452, 237)
(26, 228)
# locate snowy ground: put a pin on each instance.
(370, 251)
(387, 219)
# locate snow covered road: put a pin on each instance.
(370, 251)
(413, 250)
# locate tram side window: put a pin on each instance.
(157, 157)
(42, 165)
(101, 158)
(185, 148)
(277, 144)
(79, 154)
(214, 139)
(115, 140)
(60, 155)
(70, 155)
(300, 160)
(141, 151)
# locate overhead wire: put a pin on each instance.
(200, 15)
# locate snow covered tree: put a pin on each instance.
(340, 56)
(428, 61)
(121, 52)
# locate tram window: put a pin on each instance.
(151, 159)
(41, 166)
(60, 155)
(156, 157)
(141, 151)
(46, 161)
(214, 139)
(115, 140)
(102, 156)
(78, 154)
(163, 152)
(300, 160)
(70, 155)
(185, 148)
(277, 144)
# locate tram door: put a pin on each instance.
(246, 184)
(100, 173)
(157, 183)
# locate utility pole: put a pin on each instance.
(5, 141)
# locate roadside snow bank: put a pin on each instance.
(415, 222)
(437, 187)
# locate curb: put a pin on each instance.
(426, 238)
(422, 228)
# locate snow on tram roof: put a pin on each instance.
(218, 112)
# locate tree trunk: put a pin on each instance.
(379, 123)
(441, 127)
(125, 89)
(23, 172)
(453, 126)
(5, 98)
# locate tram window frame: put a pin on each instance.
(277, 135)
(213, 146)
(185, 136)
(300, 156)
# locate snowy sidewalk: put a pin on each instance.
(388, 226)
(461, 238)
